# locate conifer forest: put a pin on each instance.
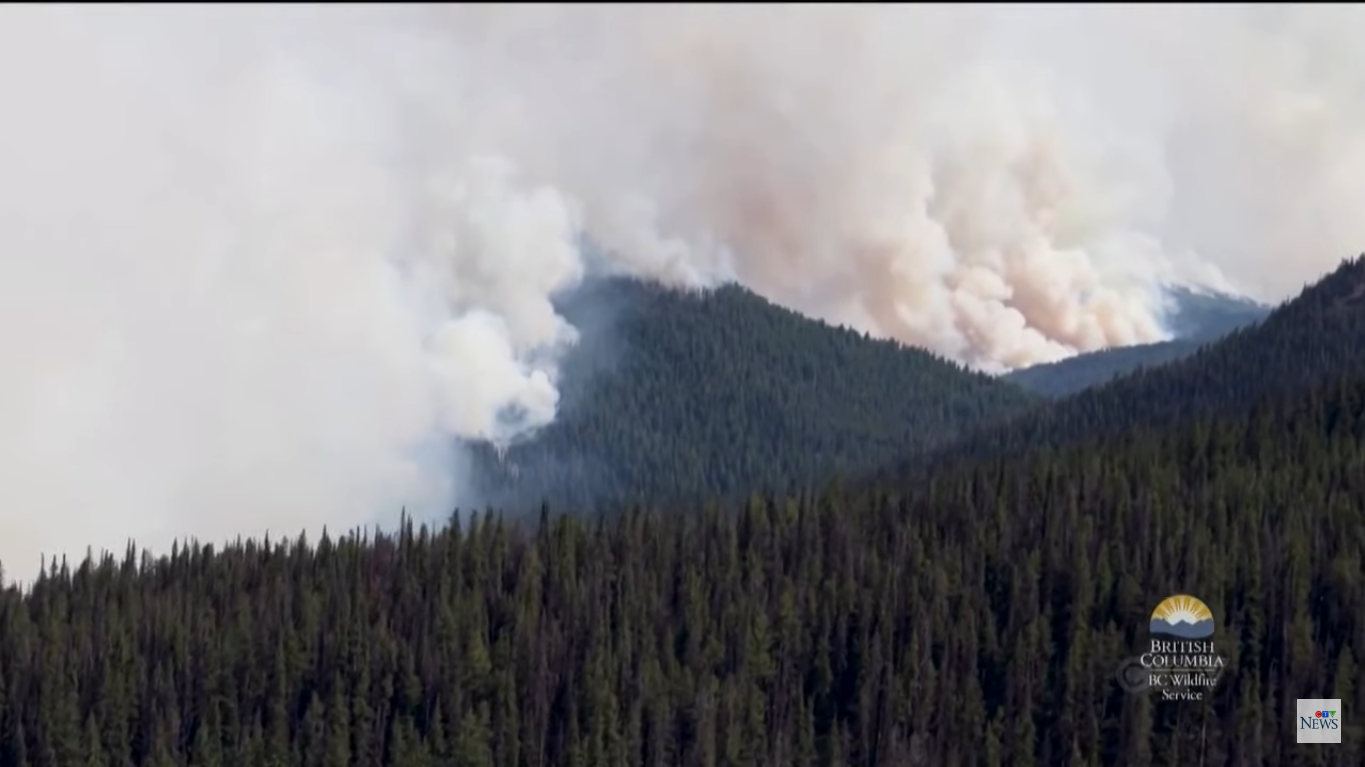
(972, 616)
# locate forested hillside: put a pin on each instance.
(1196, 319)
(974, 620)
(679, 395)
(1075, 374)
(1319, 333)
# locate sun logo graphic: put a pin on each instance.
(1182, 616)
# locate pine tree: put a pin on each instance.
(472, 747)
(94, 748)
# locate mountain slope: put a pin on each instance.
(980, 619)
(683, 394)
(1208, 316)
(1074, 374)
(1318, 335)
(1198, 318)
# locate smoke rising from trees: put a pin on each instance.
(259, 265)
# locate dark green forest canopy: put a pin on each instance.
(1319, 333)
(972, 616)
(973, 620)
(1076, 374)
(679, 395)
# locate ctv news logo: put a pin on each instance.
(1319, 721)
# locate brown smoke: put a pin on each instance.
(258, 264)
(1005, 186)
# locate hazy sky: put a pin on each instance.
(260, 264)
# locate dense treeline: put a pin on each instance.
(1319, 333)
(973, 620)
(1084, 371)
(675, 395)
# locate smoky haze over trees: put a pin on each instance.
(672, 396)
(1196, 319)
(975, 619)
(1317, 335)
(264, 268)
(711, 394)
(277, 268)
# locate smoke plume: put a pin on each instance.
(260, 264)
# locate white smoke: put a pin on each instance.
(259, 263)
(244, 283)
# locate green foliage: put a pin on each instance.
(1084, 371)
(976, 619)
(974, 614)
(689, 395)
(1317, 335)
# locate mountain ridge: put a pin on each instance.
(717, 393)
(686, 393)
(483, 642)
(1182, 628)
(1313, 336)
(1197, 318)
